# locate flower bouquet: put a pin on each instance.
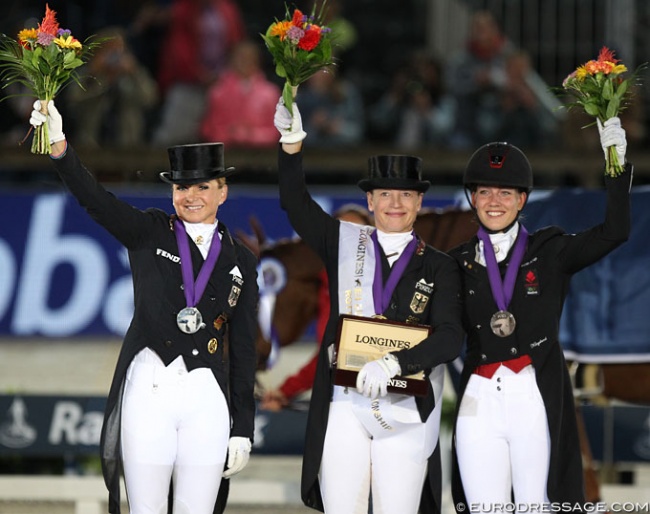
(43, 60)
(597, 87)
(301, 46)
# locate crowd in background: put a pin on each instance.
(181, 71)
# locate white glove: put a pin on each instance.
(612, 134)
(290, 128)
(53, 119)
(372, 380)
(239, 451)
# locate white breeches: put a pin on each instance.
(176, 425)
(503, 441)
(354, 462)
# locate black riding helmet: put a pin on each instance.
(498, 164)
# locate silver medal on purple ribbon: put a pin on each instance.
(189, 320)
(503, 323)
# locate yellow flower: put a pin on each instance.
(581, 73)
(27, 35)
(68, 42)
(619, 68)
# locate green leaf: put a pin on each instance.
(280, 71)
(621, 90)
(612, 108)
(591, 108)
(608, 90)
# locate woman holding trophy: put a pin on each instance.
(369, 440)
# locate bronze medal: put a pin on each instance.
(503, 323)
(212, 345)
(378, 316)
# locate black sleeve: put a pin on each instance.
(581, 250)
(127, 224)
(308, 219)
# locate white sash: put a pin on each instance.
(394, 412)
(356, 269)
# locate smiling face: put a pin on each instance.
(395, 210)
(497, 207)
(199, 203)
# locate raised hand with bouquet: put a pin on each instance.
(44, 60)
(600, 90)
(300, 45)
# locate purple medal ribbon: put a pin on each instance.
(194, 290)
(502, 291)
(382, 294)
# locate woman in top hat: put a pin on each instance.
(516, 437)
(179, 407)
(362, 439)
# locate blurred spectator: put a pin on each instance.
(332, 110)
(14, 115)
(200, 39)
(521, 114)
(241, 104)
(416, 110)
(118, 94)
(477, 76)
(146, 32)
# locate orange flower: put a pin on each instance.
(49, 25)
(280, 29)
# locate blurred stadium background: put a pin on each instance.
(65, 286)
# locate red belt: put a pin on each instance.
(516, 365)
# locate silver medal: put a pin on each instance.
(189, 320)
(502, 323)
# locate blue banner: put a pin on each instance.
(606, 315)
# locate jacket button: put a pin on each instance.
(483, 357)
(393, 305)
(513, 351)
(168, 343)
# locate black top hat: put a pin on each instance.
(193, 164)
(394, 172)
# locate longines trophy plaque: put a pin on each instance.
(362, 340)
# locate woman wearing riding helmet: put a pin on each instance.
(516, 438)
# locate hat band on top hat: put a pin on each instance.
(369, 184)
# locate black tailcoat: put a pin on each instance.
(542, 283)
(228, 307)
(443, 313)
